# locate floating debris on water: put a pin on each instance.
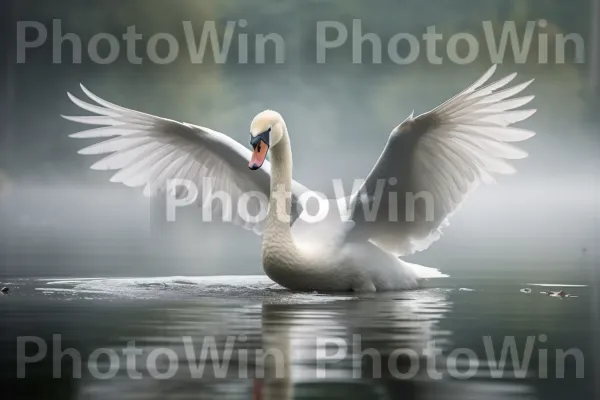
(4, 290)
(525, 290)
(561, 294)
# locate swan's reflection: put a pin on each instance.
(376, 326)
(283, 336)
(371, 330)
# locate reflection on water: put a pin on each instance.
(270, 343)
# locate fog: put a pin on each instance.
(57, 217)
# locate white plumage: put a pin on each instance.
(443, 154)
(450, 151)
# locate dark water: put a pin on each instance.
(301, 334)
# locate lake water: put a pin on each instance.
(261, 341)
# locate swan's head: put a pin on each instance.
(266, 130)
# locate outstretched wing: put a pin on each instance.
(149, 151)
(432, 162)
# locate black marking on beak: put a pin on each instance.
(265, 137)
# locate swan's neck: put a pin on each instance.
(280, 206)
(279, 250)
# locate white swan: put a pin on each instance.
(445, 153)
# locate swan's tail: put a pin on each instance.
(426, 272)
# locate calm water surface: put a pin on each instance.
(241, 318)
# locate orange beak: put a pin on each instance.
(259, 154)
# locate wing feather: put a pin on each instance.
(443, 155)
(147, 151)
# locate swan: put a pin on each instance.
(445, 153)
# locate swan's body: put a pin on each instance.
(320, 255)
(444, 153)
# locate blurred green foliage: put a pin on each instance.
(226, 96)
